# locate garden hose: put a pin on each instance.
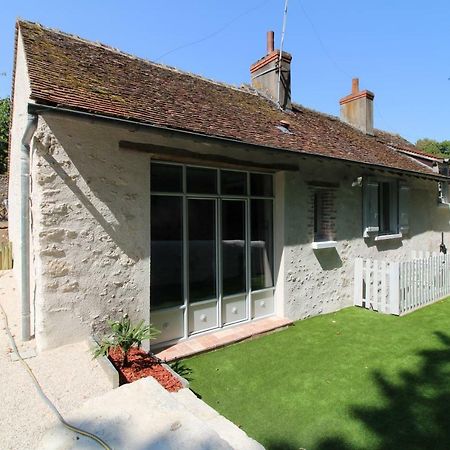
(42, 394)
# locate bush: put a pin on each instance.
(125, 336)
(5, 109)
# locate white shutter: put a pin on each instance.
(403, 208)
(370, 208)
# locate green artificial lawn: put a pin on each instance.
(354, 379)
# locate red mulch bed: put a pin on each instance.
(140, 365)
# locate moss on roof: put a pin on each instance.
(68, 71)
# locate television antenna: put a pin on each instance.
(283, 30)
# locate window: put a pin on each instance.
(201, 181)
(233, 182)
(167, 251)
(324, 215)
(261, 184)
(261, 235)
(318, 216)
(211, 234)
(385, 208)
(166, 178)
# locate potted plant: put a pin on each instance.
(125, 336)
(122, 347)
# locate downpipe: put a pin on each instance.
(24, 238)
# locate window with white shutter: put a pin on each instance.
(385, 208)
(370, 206)
(403, 208)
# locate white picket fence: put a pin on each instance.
(401, 287)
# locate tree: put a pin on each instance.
(445, 148)
(433, 147)
(5, 109)
(429, 146)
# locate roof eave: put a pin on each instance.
(37, 108)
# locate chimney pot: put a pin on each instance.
(270, 41)
(265, 74)
(357, 108)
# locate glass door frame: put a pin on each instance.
(187, 301)
(218, 197)
(247, 289)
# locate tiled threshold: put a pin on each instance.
(220, 338)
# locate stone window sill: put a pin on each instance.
(323, 244)
(387, 237)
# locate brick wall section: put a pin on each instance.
(310, 214)
(327, 213)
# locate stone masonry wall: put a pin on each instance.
(90, 231)
(321, 281)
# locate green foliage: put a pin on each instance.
(434, 147)
(181, 369)
(5, 109)
(445, 147)
(125, 336)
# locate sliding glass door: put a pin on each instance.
(211, 248)
(202, 264)
(234, 261)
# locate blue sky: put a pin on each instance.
(400, 49)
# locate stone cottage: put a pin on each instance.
(138, 188)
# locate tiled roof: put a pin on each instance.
(403, 145)
(73, 73)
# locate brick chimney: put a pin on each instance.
(357, 108)
(265, 74)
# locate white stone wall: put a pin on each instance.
(91, 231)
(91, 210)
(321, 281)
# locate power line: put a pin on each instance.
(333, 61)
(324, 49)
(215, 33)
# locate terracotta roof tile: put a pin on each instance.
(67, 71)
(404, 145)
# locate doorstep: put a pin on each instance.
(225, 336)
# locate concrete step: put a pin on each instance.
(144, 415)
(226, 429)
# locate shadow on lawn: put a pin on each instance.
(416, 415)
(281, 445)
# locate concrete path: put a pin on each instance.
(68, 375)
(138, 416)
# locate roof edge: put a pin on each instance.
(131, 56)
(36, 108)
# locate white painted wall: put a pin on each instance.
(91, 211)
(91, 237)
(321, 281)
